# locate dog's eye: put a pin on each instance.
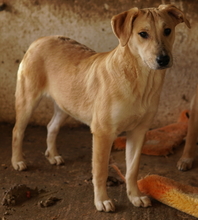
(167, 31)
(144, 34)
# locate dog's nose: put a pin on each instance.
(163, 60)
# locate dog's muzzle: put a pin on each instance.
(163, 60)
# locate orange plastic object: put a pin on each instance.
(161, 141)
(169, 192)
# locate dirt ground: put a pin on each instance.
(66, 192)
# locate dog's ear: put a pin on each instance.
(122, 25)
(177, 15)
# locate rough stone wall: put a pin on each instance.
(88, 21)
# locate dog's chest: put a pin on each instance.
(129, 113)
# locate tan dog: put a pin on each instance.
(112, 92)
(189, 153)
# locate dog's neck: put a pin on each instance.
(131, 71)
(131, 65)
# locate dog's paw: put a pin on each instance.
(140, 201)
(55, 160)
(59, 160)
(184, 164)
(106, 206)
(20, 165)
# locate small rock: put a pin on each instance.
(6, 213)
(112, 181)
(48, 202)
(106, 6)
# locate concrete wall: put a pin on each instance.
(23, 21)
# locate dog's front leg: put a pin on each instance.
(100, 161)
(134, 144)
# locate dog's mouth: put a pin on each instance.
(164, 67)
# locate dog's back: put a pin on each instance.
(51, 67)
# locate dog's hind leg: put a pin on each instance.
(27, 98)
(186, 161)
(53, 128)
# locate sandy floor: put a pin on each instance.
(66, 192)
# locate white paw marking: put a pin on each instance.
(185, 164)
(20, 165)
(57, 160)
(106, 206)
(142, 201)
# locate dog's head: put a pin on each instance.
(149, 33)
